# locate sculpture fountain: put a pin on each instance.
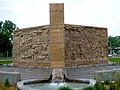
(56, 50)
(54, 82)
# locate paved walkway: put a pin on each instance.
(88, 72)
(78, 72)
(28, 73)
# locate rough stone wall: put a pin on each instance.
(85, 45)
(30, 47)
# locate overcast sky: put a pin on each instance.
(30, 13)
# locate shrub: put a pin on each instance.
(7, 84)
(3, 87)
(107, 82)
(89, 88)
(12, 88)
(99, 86)
(65, 88)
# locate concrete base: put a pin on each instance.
(13, 77)
(111, 75)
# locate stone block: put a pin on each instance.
(57, 40)
(59, 28)
(55, 56)
(57, 64)
(13, 77)
(57, 35)
(57, 47)
(57, 17)
(57, 7)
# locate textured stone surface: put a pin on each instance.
(57, 75)
(85, 45)
(30, 47)
(57, 35)
(60, 45)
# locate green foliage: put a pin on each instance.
(114, 42)
(5, 43)
(65, 88)
(6, 35)
(114, 59)
(89, 88)
(99, 86)
(113, 87)
(7, 84)
(6, 61)
(106, 85)
(9, 26)
(1, 25)
(107, 82)
(117, 85)
(12, 88)
(3, 87)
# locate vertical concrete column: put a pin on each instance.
(57, 35)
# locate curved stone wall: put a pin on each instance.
(84, 45)
(30, 47)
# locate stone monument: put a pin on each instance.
(59, 44)
(57, 35)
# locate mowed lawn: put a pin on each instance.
(112, 59)
(6, 61)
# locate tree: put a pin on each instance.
(6, 35)
(1, 24)
(114, 42)
(8, 27)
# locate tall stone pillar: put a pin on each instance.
(57, 35)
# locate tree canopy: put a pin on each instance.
(114, 42)
(6, 35)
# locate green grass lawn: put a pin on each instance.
(6, 61)
(114, 59)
